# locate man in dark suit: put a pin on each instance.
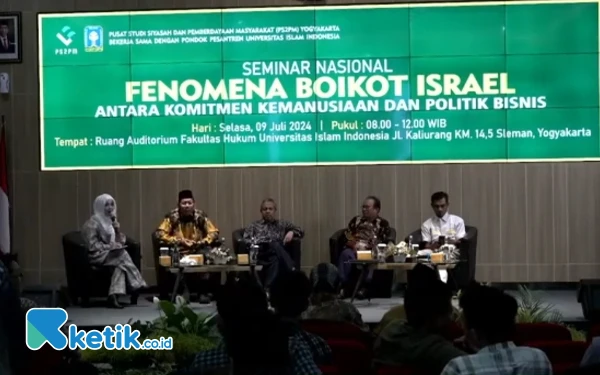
(7, 41)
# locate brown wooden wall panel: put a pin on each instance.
(537, 222)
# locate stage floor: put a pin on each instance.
(565, 301)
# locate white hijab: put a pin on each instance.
(101, 216)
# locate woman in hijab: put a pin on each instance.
(325, 301)
(106, 244)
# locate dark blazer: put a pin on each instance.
(11, 45)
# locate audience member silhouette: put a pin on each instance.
(12, 327)
(420, 275)
(290, 295)
(254, 340)
(325, 301)
(489, 318)
(418, 341)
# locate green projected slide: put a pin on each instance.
(388, 84)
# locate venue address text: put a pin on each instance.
(323, 131)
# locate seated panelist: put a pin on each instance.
(442, 224)
(364, 231)
(106, 246)
(273, 236)
(187, 227)
(191, 230)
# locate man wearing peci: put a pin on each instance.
(442, 224)
(7, 42)
(190, 230)
(187, 227)
(273, 236)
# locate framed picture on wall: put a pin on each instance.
(10, 37)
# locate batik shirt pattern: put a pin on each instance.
(361, 229)
(262, 231)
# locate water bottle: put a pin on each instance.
(410, 242)
(374, 249)
(175, 257)
(221, 253)
(415, 249)
(381, 250)
(253, 252)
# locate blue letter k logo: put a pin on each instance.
(43, 326)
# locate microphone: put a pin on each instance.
(113, 218)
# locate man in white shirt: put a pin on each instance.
(444, 224)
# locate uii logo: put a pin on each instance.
(93, 38)
(66, 36)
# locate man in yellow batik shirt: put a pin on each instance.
(190, 229)
(187, 227)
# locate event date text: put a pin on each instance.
(308, 126)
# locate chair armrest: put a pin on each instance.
(132, 242)
(393, 235)
(467, 248)
(336, 245)
(467, 240)
(77, 263)
(156, 241)
(76, 256)
(294, 247)
(295, 243)
(239, 245)
(134, 250)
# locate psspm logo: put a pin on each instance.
(44, 325)
(66, 36)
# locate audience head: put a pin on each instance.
(252, 334)
(268, 208)
(325, 281)
(186, 202)
(440, 203)
(428, 305)
(422, 274)
(12, 319)
(371, 207)
(488, 315)
(105, 206)
(241, 297)
(15, 274)
(290, 293)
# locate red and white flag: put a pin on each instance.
(4, 206)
